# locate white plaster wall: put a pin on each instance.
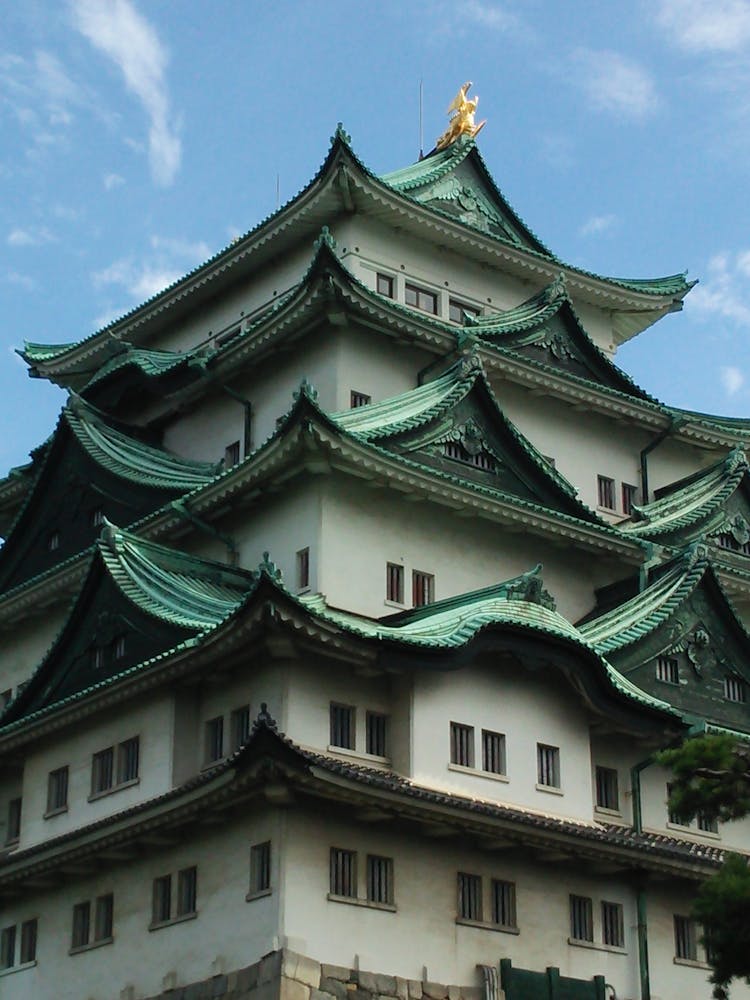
(528, 708)
(25, 644)
(228, 932)
(149, 719)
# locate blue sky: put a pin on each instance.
(138, 137)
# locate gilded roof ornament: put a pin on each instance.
(461, 121)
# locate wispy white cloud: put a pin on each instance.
(725, 293)
(493, 15)
(732, 379)
(34, 237)
(20, 280)
(615, 84)
(597, 225)
(118, 30)
(167, 260)
(112, 181)
(706, 25)
(42, 96)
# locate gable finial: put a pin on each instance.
(342, 134)
(461, 122)
(270, 568)
(305, 389)
(324, 239)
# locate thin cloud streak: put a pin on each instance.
(613, 83)
(122, 34)
(706, 25)
(732, 379)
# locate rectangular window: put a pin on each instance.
(343, 872)
(232, 455)
(240, 727)
(118, 649)
(613, 925)
(606, 492)
(8, 947)
(707, 824)
(162, 899)
(462, 744)
(629, 497)
(685, 939)
(456, 310)
(379, 879)
(13, 831)
(303, 569)
(342, 726)
(548, 765)
(503, 903)
(214, 739)
(28, 941)
(607, 791)
(128, 755)
(187, 885)
(377, 734)
(422, 588)
(493, 752)
(81, 925)
(735, 689)
(675, 817)
(394, 583)
(421, 298)
(581, 918)
(102, 770)
(57, 790)
(385, 285)
(667, 670)
(260, 867)
(469, 897)
(357, 399)
(103, 917)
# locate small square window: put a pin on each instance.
(421, 298)
(214, 739)
(735, 689)
(358, 399)
(232, 455)
(613, 925)
(503, 903)
(103, 917)
(342, 726)
(187, 884)
(28, 941)
(581, 918)
(629, 497)
(394, 583)
(128, 760)
(13, 829)
(376, 736)
(469, 896)
(240, 727)
(303, 569)
(493, 752)
(685, 938)
(8, 947)
(422, 588)
(379, 879)
(57, 790)
(462, 744)
(548, 765)
(260, 867)
(162, 899)
(458, 310)
(667, 670)
(606, 492)
(607, 792)
(343, 877)
(385, 285)
(81, 925)
(102, 770)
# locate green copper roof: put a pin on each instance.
(645, 612)
(34, 353)
(150, 363)
(169, 584)
(690, 501)
(132, 459)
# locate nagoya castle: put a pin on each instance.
(344, 610)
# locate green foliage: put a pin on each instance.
(711, 777)
(723, 907)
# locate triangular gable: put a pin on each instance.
(681, 640)
(455, 425)
(456, 181)
(92, 470)
(138, 601)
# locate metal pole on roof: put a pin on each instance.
(421, 130)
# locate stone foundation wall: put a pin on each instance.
(285, 975)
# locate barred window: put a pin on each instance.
(456, 310)
(187, 884)
(548, 765)
(481, 459)
(260, 867)
(606, 492)
(342, 726)
(118, 649)
(421, 298)
(303, 569)
(469, 896)
(343, 875)
(53, 541)
(735, 689)
(503, 903)
(629, 497)
(13, 829)
(685, 938)
(707, 823)
(462, 744)
(385, 285)
(376, 741)
(667, 670)
(102, 770)
(8, 947)
(29, 930)
(379, 879)
(232, 454)
(240, 727)
(103, 917)
(422, 588)
(493, 752)
(97, 517)
(81, 925)
(394, 583)
(357, 399)
(162, 899)
(675, 817)
(581, 918)
(128, 754)
(613, 925)
(214, 739)
(57, 790)
(607, 792)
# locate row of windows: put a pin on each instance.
(214, 738)
(343, 731)
(607, 495)
(18, 944)
(668, 671)
(424, 299)
(422, 585)
(111, 769)
(462, 753)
